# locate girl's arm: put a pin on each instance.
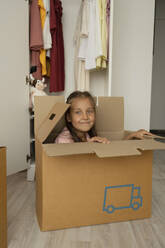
(138, 134)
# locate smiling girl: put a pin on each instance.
(80, 121)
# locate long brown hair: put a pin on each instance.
(73, 95)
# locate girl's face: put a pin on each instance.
(82, 114)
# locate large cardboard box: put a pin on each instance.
(83, 184)
(3, 199)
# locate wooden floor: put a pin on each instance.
(23, 230)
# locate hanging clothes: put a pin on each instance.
(57, 74)
(94, 46)
(47, 36)
(36, 40)
(81, 75)
(82, 30)
(93, 38)
(46, 29)
(101, 62)
(42, 51)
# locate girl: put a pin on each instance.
(80, 121)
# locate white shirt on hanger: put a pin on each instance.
(46, 30)
(90, 45)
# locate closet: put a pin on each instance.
(128, 75)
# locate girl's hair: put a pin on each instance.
(71, 97)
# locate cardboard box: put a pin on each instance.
(83, 184)
(3, 199)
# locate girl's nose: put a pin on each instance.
(85, 116)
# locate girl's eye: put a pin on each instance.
(78, 112)
(91, 111)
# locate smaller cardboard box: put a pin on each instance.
(87, 183)
(3, 199)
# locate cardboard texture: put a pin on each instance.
(3, 199)
(83, 184)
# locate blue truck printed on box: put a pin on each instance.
(134, 200)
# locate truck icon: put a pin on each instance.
(122, 197)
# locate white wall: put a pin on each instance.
(14, 93)
(133, 25)
(158, 79)
(99, 81)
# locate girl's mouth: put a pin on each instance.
(85, 122)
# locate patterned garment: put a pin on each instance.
(66, 137)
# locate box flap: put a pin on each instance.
(127, 147)
(110, 114)
(114, 149)
(68, 149)
(42, 106)
(112, 135)
(149, 144)
(51, 120)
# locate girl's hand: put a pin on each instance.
(138, 134)
(99, 139)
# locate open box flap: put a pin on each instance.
(149, 144)
(42, 106)
(110, 114)
(112, 135)
(114, 149)
(68, 149)
(51, 120)
(127, 147)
